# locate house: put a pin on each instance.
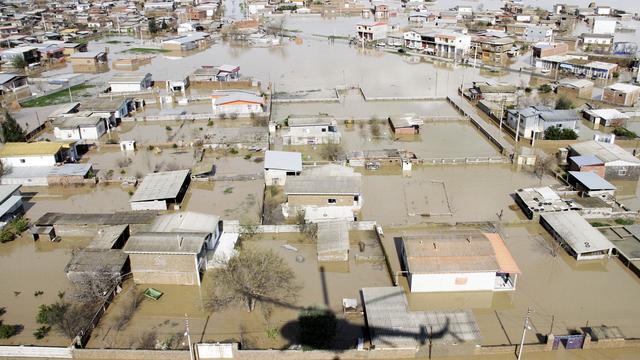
(237, 102)
(50, 53)
(324, 186)
(577, 236)
(534, 201)
(36, 154)
(280, 164)
(87, 127)
(604, 26)
(130, 82)
(533, 121)
(371, 31)
(606, 117)
(311, 130)
(191, 41)
(621, 94)
(97, 263)
(178, 85)
(254, 137)
(393, 325)
(176, 258)
(578, 88)
(587, 163)
(158, 191)
(332, 243)
(407, 124)
(619, 164)
(14, 85)
(228, 73)
(11, 205)
(544, 49)
(71, 48)
(88, 62)
(29, 54)
(600, 43)
(112, 109)
(501, 93)
(381, 11)
(447, 44)
(67, 174)
(492, 47)
(591, 184)
(458, 261)
(577, 65)
(534, 34)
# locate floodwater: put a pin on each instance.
(166, 315)
(471, 192)
(432, 142)
(137, 163)
(231, 200)
(555, 288)
(27, 267)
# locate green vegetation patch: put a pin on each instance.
(58, 97)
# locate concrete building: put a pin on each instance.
(587, 163)
(545, 49)
(599, 43)
(158, 191)
(604, 26)
(192, 41)
(621, 94)
(123, 83)
(325, 186)
(577, 65)
(619, 164)
(534, 34)
(447, 44)
(371, 31)
(492, 47)
(533, 121)
(237, 102)
(36, 154)
(96, 263)
(88, 62)
(458, 261)
(407, 124)
(332, 243)
(176, 258)
(606, 117)
(578, 88)
(280, 164)
(577, 236)
(311, 130)
(14, 87)
(90, 127)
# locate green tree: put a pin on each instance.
(546, 88)
(18, 62)
(64, 317)
(317, 327)
(556, 133)
(11, 129)
(153, 27)
(563, 103)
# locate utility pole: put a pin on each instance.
(518, 129)
(524, 332)
(186, 324)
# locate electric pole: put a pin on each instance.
(524, 332)
(188, 335)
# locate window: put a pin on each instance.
(622, 171)
(22, 161)
(331, 201)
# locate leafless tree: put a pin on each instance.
(544, 164)
(331, 152)
(253, 276)
(93, 287)
(148, 340)
(129, 304)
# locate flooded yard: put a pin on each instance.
(231, 200)
(472, 192)
(137, 163)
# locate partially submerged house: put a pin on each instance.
(619, 164)
(14, 86)
(100, 264)
(237, 102)
(311, 130)
(621, 94)
(579, 88)
(161, 190)
(123, 83)
(325, 186)
(332, 243)
(458, 261)
(34, 154)
(606, 117)
(591, 184)
(11, 205)
(371, 31)
(577, 236)
(533, 121)
(407, 124)
(280, 164)
(588, 163)
(87, 127)
(88, 62)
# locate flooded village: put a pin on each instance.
(339, 179)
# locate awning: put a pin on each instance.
(505, 261)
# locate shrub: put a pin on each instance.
(624, 132)
(20, 225)
(556, 133)
(563, 103)
(546, 88)
(210, 123)
(42, 332)
(168, 128)
(234, 151)
(6, 235)
(7, 331)
(624, 221)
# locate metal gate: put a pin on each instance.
(568, 341)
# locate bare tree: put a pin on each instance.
(129, 304)
(253, 276)
(148, 340)
(543, 165)
(331, 152)
(94, 287)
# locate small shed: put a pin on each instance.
(333, 241)
(407, 124)
(159, 190)
(590, 183)
(107, 263)
(577, 236)
(69, 174)
(587, 163)
(280, 164)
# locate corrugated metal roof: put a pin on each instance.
(186, 221)
(7, 190)
(586, 160)
(577, 232)
(117, 218)
(71, 170)
(332, 236)
(160, 186)
(185, 243)
(591, 180)
(323, 185)
(605, 151)
(283, 160)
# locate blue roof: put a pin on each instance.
(586, 160)
(591, 180)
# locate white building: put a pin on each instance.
(236, 102)
(311, 130)
(90, 127)
(534, 34)
(577, 236)
(371, 31)
(604, 26)
(458, 261)
(279, 164)
(122, 82)
(158, 191)
(36, 154)
(532, 122)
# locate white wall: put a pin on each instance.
(130, 87)
(44, 160)
(66, 134)
(149, 205)
(275, 177)
(237, 109)
(483, 281)
(604, 26)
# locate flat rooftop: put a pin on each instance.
(160, 186)
(175, 243)
(577, 232)
(117, 218)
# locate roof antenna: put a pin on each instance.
(435, 247)
(180, 238)
(469, 239)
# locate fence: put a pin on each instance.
(465, 160)
(36, 352)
